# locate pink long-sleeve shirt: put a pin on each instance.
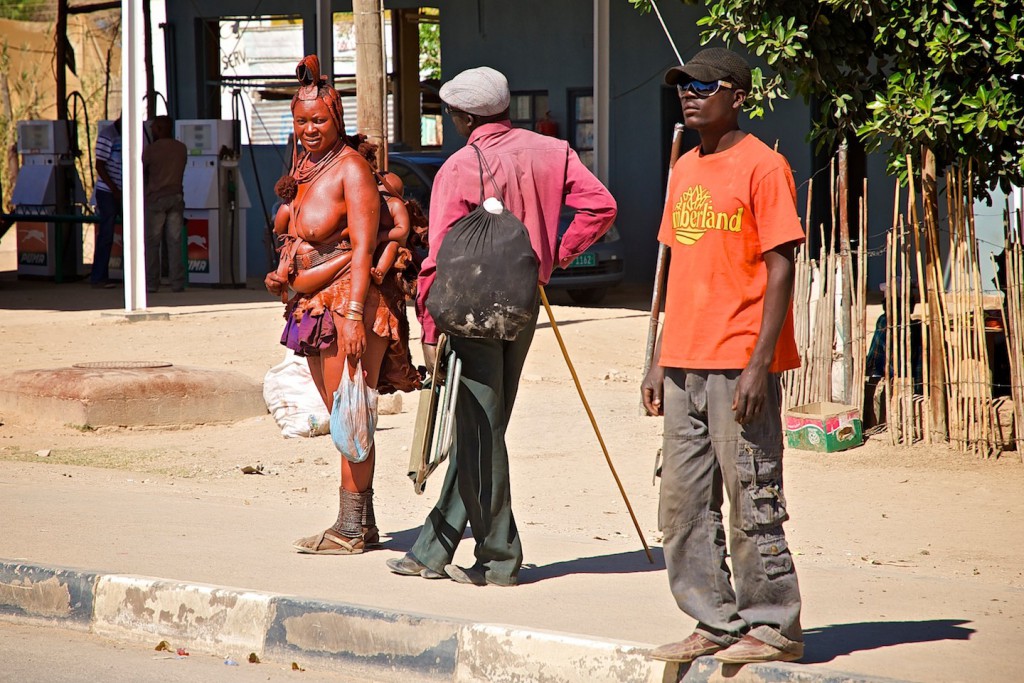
(536, 175)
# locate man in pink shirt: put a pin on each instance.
(536, 175)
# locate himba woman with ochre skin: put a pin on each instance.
(338, 318)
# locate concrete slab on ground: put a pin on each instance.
(131, 394)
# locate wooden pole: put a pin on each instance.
(890, 412)
(407, 38)
(593, 420)
(370, 102)
(659, 268)
(989, 426)
(936, 361)
(916, 231)
(846, 264)
(860, 300)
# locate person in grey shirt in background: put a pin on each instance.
(163, 167)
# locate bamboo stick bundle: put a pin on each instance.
(957, 399)
(808, 283)
(1004, 311)
(899, 343)
(1012, 312)
(805, 334)
(817, 338)
(962, 343)
(860, 335)
(921, 279)
(975, 411)
(1014, 324)
(810, 304)
(922, 298)
(989, 427)
(806, 294)
(798, 378)
(930, 239)
(833, 193)
(892, 413)
(906, 353)
(892, 421)
(960, 350)
(793, 379)
(821, 337)
(828, 328)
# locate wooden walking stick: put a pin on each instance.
(593, 421)
(659, 269)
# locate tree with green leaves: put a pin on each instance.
(430, 44)
(947, 75)
(23, 10)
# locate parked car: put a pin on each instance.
(586, 280)
(417, 171)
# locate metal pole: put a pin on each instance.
(133, 86)
(147, 25)
(325, 38)
(593, 421)
(60, 40)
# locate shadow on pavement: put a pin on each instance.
(619, 563)
(28, 294)
(825, 643)
(402, 541)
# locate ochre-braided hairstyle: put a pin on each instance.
(312, 86)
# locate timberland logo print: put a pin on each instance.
(693, 215)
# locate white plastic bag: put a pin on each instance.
(354, 416)
(292, 398)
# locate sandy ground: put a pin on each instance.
(910, 559)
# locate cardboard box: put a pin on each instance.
(824, 427)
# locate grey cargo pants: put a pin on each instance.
(705, 448)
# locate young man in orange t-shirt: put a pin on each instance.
(731, 223)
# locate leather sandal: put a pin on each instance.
(315, 545)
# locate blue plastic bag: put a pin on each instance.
(354, 416)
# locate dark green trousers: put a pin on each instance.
(476, 487)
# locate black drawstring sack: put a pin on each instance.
(486, 283)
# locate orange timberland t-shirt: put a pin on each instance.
(724, 211)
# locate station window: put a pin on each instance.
(581, 124)
(527, 108)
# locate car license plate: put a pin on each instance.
(584, 260)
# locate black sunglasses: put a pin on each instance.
(703, 89)
(453, 112)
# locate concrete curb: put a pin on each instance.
(381, 645)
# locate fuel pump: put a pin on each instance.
(48, 187)
(215, 202)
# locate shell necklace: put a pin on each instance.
(307, 171)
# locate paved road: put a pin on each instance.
(52, 655)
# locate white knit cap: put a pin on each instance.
(481, 91)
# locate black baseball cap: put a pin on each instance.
(713, 64)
